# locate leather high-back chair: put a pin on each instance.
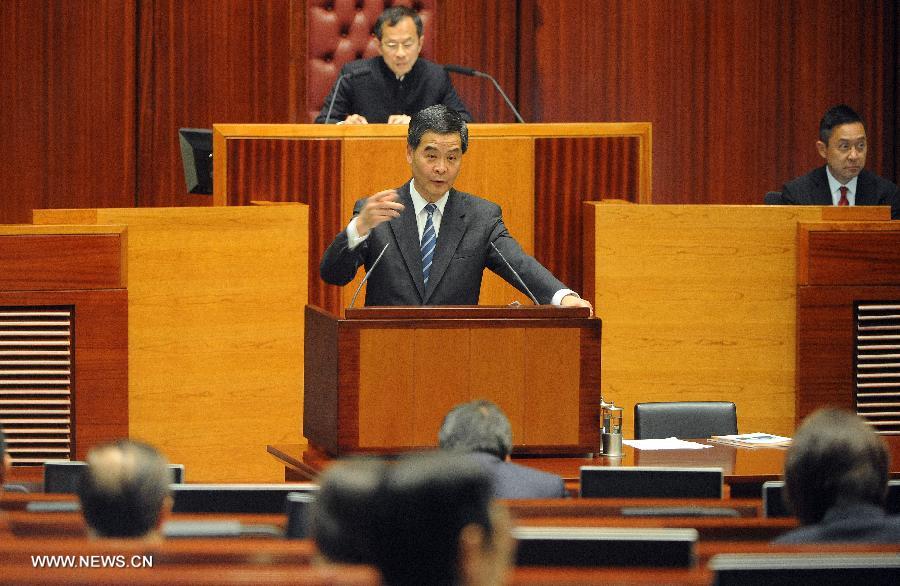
(686, 419)
(340, 31)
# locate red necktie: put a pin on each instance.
(843, 201)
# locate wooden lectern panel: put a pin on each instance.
(397, 375)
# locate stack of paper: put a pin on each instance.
(752, 440)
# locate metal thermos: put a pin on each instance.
(611, 433)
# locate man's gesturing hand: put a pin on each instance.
(381, 207)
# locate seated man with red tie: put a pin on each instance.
(843, 180)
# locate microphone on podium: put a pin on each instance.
(474, 73)
(337, 86)
(518, 278)
(366, 278)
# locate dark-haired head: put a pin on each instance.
(837, 116)
(343, 514)
(393, 15)
(438, 119)
(124, 489)
(477, 426)
(438, 524)
(834, 457)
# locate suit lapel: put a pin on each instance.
(865, 190)
(822, 196)
(407, 235)
(453, 226)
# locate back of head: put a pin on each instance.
(438, 119)
(834, 457)
(837, 116)
(123, 489)
(343, 514)
(477, 426)
(424, 504)
(392, 15)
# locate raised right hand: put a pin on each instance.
(381, 207)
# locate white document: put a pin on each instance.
(670, 443)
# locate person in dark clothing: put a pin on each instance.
(392, 87)
(836, 475)
(481, 430)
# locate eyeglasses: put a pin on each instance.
(394, 46)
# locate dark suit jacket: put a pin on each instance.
(512, 481)
(851, 523)
(380, 94)
(462, 252)
(812, 190)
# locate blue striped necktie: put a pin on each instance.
(429, 238)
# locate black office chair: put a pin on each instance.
(773, 569)
(63, 476)
(774, 505)
(234, 498)
(650, 482)
(773, 198)
(686, 419)
(604, 546)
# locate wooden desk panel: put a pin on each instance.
(215, 331)
(699, 304)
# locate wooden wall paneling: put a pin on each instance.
(206, 62)
(306, 171)
(82, 261)
(735, 112)
(481, 34)
(67, 105)
(699, 303)
(567, 172)
(216, 299)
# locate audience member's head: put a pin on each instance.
(835, 457)
(477, 426)
(439, 524)
(343, 514)
(124, 490)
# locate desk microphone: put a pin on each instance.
(337, 86)
(473, 73)
(369, 272)
(518, 278)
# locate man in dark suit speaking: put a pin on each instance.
(432, 242)
(843, 180)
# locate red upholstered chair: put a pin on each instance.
(339, 31)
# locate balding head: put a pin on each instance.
(124, 489)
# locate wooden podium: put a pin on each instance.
(381, 379)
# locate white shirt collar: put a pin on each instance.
(835, 187)
(420, 202)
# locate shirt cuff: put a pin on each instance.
(353, 237)
(558, 296)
